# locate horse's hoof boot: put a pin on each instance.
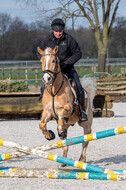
(52, 135)
(63, 135)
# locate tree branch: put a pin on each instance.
(85, 14)
(109, 3)
(113, 16)
(103, 11)
(96, 14)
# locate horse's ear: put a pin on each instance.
(54, 51)
(40, 51)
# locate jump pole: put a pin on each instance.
(53, 157)
(61, 170)
(57, 174)
(69, 142)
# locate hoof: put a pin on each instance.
(51, 134)
(63, 135)
(82, 159)
(60, 166)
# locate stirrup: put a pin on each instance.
(83, 116)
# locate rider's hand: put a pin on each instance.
(63, 65)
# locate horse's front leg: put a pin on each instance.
(64, 112)
(62, 131)
(49, 135)
(62, 127)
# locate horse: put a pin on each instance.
(59, 100)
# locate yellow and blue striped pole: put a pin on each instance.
(53, 157)
(92, 136)
(6, 171)
(81, 170)
(68, 142)
(57, 174)
(82, 175)
(11, 155)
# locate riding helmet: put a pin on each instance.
(57, 25)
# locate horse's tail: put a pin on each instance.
(90, 86)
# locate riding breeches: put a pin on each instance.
(71, 73)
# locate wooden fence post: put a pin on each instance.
(36, 75)
(123, 70)
(93, 68)
(109, 69)
(2, 73)
(10, 74)
(26, 75)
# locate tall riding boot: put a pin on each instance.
(42, 91)
(82, 115)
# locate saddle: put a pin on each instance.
(73, 87)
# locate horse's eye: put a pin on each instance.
(53, 61)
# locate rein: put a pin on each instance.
(53, 95)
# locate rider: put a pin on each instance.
(68, 53)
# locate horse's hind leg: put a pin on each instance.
(65, 151)
(87, 129)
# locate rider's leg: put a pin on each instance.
(71, 73)
(68, 73)
(83, 115)
(42, 91)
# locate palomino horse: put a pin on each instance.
(58, 100)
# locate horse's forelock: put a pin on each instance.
(48, 50)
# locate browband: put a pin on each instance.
(49, 54)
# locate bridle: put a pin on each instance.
(53, 75)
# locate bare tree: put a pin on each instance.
(90, 10)
(101, 24)
(5, 21)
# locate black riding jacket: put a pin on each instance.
(69, 51)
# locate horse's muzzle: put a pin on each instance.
(47, 78)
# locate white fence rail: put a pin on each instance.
(31, 72)
(37, 64)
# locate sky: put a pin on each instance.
(28, 14)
